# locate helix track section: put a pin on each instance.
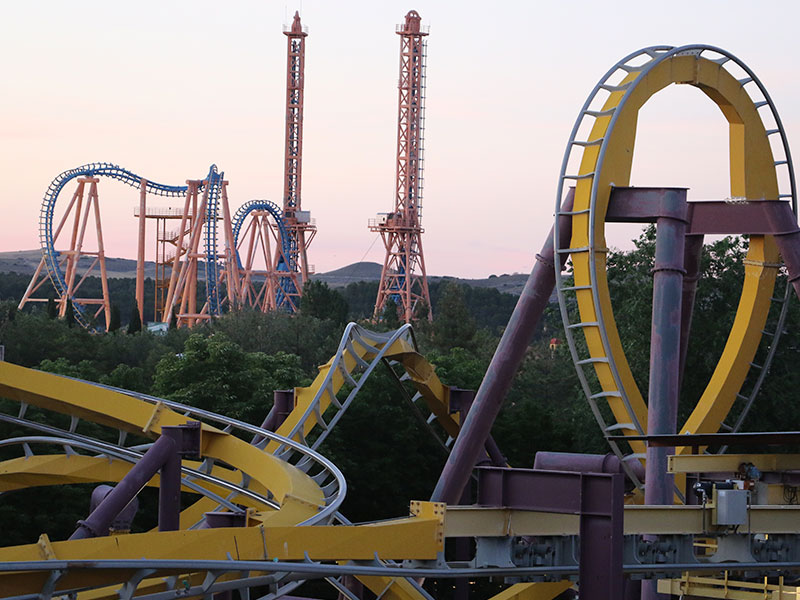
(598, 156)
(115, 172)
(285, 285)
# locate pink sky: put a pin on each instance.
(165, 89)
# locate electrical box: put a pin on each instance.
(303, 216)
(732, 507)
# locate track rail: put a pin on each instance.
(112, 171)
(286, 286)
(593, 163)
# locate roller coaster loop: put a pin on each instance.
(111, 171)
(285, 287)
(597, 161)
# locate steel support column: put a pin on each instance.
(98, 522)
(665, 336)
(140, 250)
(507, 358)
(787, 236)
(692, 253)
(665, 349)
(596, 497)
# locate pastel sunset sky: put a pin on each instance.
(165, 88)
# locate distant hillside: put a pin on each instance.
(26, 261)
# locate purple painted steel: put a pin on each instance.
(788, 241)
(692, 253)
(665, 349)
(641, 205)
(757, 217)
(596, 497)
(225, 519)
(97, 523)
(497, 381)
(282, 405)
(665, 341)
(123, 521)
(186, 441)
(461, 402)
(584, 463)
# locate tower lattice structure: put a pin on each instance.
(403, 277)
(299, 226)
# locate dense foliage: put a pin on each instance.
(233, 365)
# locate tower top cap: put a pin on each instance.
(296, 28)
(412, 24)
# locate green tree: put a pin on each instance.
(52, 311)
(114, 321)
(322, 302)
(390, 316)
(216, 374)
(69, 315)
(135, 322)
(453, 326)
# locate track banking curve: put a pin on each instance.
(279, 477)
(112, 171)
(287, 256)
(598, 158)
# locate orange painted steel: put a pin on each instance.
(300, 228)
(84, 205)
(403, 277)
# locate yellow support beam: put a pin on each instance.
(730, 463)
(414, 538)
(712, 587)
(540, 590)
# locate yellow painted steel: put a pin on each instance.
(541, 590)
(299, 497)
(752, 176)
(421, 373)
(730, 463)
(410, 538)
(292, 489)
(710, 587)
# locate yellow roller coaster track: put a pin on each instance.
(261, 481)
(604, 161)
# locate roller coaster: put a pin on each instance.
(229, 280)
(268, 519)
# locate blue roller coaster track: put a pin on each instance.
(285, 284)
(112, 171)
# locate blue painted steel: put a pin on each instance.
(285, 284)
(215, 179)
(48, 207)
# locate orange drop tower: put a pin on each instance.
(299, 225)
(403, 278)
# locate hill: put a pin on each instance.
(25, 262)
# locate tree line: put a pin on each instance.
(233, 364)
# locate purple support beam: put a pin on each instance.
(461, 402)
(169, 488)
(665, 336)
(505, 362)
(584, 463)
(692, 253)
(98, 522)
(122, 522)
(282, 405)
(665, 349)
(787, 237)
(596, 497)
